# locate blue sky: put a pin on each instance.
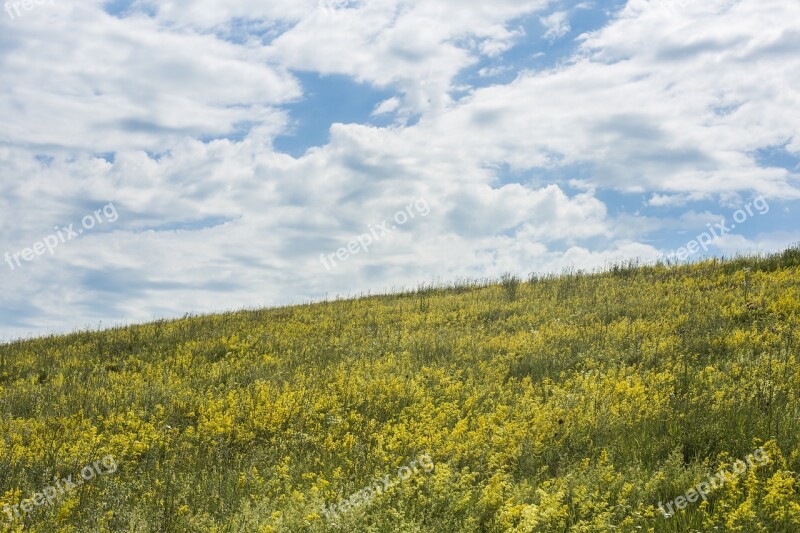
(263, 153)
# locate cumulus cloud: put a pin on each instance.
(557, 25)
(389, 105)
(172, 110)
(74, 77)
(416, 48)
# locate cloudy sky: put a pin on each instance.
(189, 156)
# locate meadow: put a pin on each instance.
(577, 402)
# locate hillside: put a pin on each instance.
(579, 402)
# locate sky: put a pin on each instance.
(159, 158)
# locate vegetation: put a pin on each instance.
(561, 403)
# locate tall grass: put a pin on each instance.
(560, 403)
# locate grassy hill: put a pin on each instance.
(578, 402)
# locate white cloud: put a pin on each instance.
(732, 244)
(642, 119)
(488, 72)
(675, 200)
(389, 105)
(557, 25)
(499, 39)
(74, 77)
(672, 106)
(415, 47)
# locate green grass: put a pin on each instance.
(575, 402)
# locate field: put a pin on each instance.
(579, 402)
